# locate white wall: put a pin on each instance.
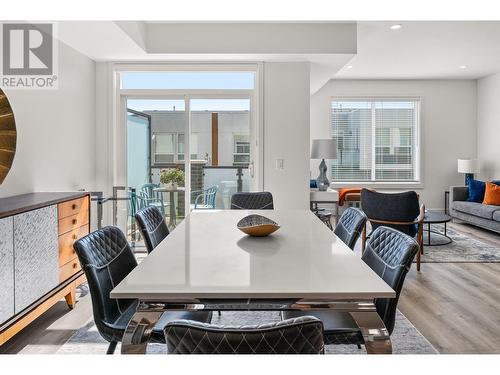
(488, 126)
(55, 131)
(286, 133)
(448, 122)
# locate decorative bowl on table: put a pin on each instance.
(257, 225)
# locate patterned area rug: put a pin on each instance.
(406, 339)
(462, 249)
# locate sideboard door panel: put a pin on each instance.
(6, 269)
(35, 255)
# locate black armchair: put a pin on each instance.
(302, 335)
(252, 201)
(106, 259)
(350, 225)
(389, 253)
(400, 211)
(152, 226)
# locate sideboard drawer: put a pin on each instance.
(66, 241)
(72, 207)
(69, 269)
(73, 222)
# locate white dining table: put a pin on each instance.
(207, 263)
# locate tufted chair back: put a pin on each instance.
(390, 254)
(106, 259)
(152, 226)
(252, 201)
(303, 335)
(350, 226)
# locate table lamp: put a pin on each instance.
(469, 167)
(323, 149)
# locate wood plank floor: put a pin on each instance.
(456, 306)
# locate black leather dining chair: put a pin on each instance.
(401, 211)
(303, 335)
(350, 225)
(152, 226)
(106, 259)
(390, 254)
(252, 201)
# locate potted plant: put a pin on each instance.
(172, 178)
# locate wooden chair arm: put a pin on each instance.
(418, 220)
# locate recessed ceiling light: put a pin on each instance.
(396, 26)
(463, 66)
(349, 66)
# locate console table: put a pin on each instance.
(38, 265)
(327, 196)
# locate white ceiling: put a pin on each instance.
(419, 50)
(425, 50)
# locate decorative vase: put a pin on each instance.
(322, 180)
(171, 185)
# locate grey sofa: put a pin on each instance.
(478, 214)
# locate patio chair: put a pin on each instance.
(205, 199)
(153, 198)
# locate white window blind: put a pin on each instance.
(377, 140)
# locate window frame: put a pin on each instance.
(418, 156)
(116, 136)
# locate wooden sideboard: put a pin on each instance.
(38, 265)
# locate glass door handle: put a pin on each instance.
(251, 168)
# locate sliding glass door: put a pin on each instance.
(221, 152)
(201, 143)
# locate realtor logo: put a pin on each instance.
(28, 55)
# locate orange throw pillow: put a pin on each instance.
(492, 194)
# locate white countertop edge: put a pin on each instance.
(195, 297)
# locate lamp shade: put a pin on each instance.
(468, 166)
(324, 149)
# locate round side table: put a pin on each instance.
(435, 238)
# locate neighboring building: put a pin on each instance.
(167, 129)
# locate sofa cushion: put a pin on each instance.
(492, 194)
(475, 191)
(496, 215)
(477, 209)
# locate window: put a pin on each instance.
(241, 155)
(169, 147)
(219, 80)
(377, 140)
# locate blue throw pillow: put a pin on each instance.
(496, 182)
(476, 191)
